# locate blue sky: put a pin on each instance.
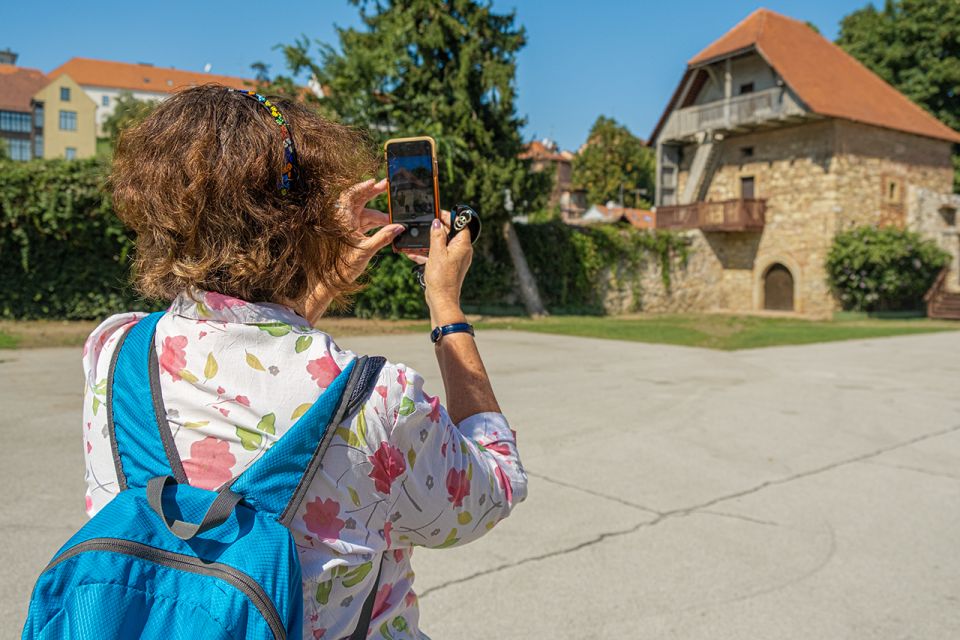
(612, 57)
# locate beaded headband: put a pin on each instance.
(289, 154)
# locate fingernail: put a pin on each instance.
(436, 223)
(381, 183)
(398, 230)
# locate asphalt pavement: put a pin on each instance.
(789, 492)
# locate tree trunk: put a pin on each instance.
(528, 285)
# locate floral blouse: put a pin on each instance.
(235, 376)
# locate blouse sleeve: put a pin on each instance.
(449, 483)
(100, 473)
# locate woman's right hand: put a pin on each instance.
(446, 267)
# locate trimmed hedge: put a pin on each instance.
(63, 253)
(889, 269)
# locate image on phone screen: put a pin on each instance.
(412, 198)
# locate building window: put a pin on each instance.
(68, 120)
(746, 87)
(70, 153)
(892, 191)
(105, 101)
(65, 94)
(949, 215)
(746, 152)
(18, 148)
(38, 116)
(15, 121)
(38, 145)
(747, 188)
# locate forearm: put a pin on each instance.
(465, 379)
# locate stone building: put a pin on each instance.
(774, 141)
(545, 155)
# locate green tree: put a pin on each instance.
(915, 46)
(614, 161)
(444, 69)
(127, 111)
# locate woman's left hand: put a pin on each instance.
(352, 205)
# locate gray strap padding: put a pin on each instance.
(111, 430)
(217, 513)
(358, 388)
(163, 425)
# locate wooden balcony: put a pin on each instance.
(742, 113)
(727, 215)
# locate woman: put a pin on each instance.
(247, 222)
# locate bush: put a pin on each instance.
(889, 269)
(571, 264)
(63, 253)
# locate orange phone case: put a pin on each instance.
(436, 184)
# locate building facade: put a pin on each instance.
(776, 140)
(545, 155)
(42, 117)
(67, 115)
(105, 81)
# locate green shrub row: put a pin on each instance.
(889, 269)
(63, 253)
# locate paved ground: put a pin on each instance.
(793, 492)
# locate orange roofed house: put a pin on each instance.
(774, 141)
(104, 81)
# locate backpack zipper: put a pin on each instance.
(183, 562)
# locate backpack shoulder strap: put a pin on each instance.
(277, 483)
(140, 437)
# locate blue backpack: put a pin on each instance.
(169, 561)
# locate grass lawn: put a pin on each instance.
(718, 331)
(715, 331)
(31, 334)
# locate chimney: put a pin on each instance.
(8, 57)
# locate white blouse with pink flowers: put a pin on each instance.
(236, 375)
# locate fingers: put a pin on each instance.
(445, 216)
(362, 192)
(438, 238)
(380, 239)
(416, 257)
(371, 218)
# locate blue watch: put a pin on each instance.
(457, 327)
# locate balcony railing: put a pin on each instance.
(740, 111)
(728, 215)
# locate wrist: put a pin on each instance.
(446, 314)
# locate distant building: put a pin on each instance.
(42, 117)
(105, 80)
(775, 140)
(614, 213)
(545, 155)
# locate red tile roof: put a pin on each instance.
(139, 77)
(537, 150)
(825, 77)
(18, 85)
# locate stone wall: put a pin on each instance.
(934, 215)
(871, 162)
(790, 167)
(817, 178)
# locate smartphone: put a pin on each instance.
(413, 194)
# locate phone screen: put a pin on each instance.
(412, 195)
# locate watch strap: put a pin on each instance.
(456, 327)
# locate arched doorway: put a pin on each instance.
(778, 288)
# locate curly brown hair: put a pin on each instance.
(197, 181)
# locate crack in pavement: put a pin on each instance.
(685, 511)
(598, 494)
(890, 465)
